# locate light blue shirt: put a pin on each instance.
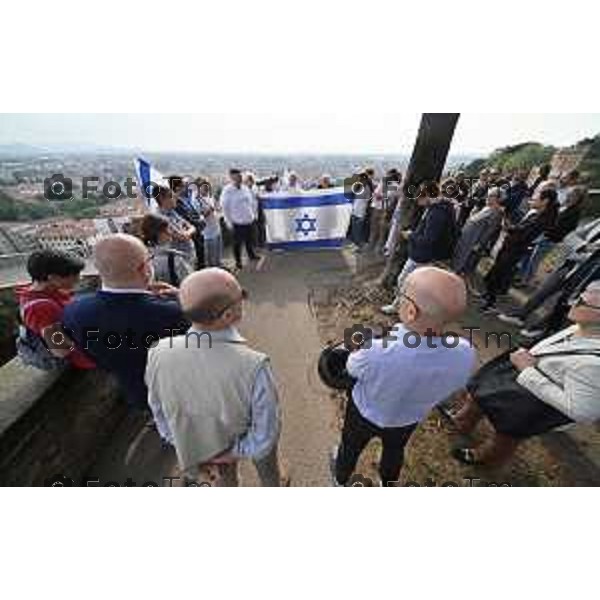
(398, 385)
(263, 432)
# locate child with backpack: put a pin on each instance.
(41, 342)
(170, 266)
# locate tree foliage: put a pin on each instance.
(511, 158)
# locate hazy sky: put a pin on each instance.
(342, 133)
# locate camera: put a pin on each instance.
(58, 188)
(358, 336)
(268, 183)
(59, 481)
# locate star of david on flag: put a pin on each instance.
(309, 219)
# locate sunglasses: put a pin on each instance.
(407, 297)
(581, 301)
(243, 296)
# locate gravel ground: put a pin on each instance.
(427, 459)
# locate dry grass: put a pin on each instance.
(428, 460)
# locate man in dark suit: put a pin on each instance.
(116, 325)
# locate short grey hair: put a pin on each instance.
(498, 192)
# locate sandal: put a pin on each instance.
(466, 456)
(447, 415)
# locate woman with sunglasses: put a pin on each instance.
(530, 392)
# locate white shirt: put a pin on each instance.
(398, 385)
(239, 205)
(562, 195)
(378, 197)
(359, 207)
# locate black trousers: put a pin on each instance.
(198, 240)
(500, 276)
(243, 234)
(357, 433)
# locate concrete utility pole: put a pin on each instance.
(426, 164)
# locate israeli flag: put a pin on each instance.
(148, 177)
(312, 219)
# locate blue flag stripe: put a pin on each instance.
(296, 245)
(304, 201)
(144, 175)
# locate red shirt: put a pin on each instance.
(40, 309)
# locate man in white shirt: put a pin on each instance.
(362, 193)
(239, 210)
(401, 377)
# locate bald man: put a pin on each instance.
(116, 325)
(212, 396)
(401, 377)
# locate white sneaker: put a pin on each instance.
(389, 309)
(332, 460)
(511, 319)
(531, 333)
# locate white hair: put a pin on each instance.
(594, 287)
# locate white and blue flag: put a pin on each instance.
(312, 219)
(148, 177)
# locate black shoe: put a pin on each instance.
(255, 257)
(489, 308)
(239, 266)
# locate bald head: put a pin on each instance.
(205, 294)
(121, 260)
(592, 293)
(440, 295)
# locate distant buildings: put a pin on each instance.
(69, 235)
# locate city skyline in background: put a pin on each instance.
(385, 134)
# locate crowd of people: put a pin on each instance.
(164, 320)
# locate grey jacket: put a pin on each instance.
(567, 376)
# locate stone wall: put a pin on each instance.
(54, 426)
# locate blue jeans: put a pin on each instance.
(531, 264)
(358, 230)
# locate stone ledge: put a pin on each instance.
(20, 387)
(57, 425)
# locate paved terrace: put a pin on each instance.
(278, 321)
